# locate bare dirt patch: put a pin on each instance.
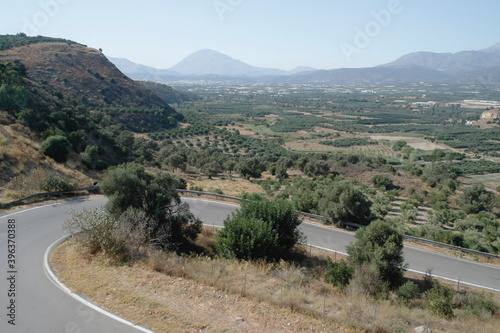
(229, 185)
(491, 180)
(414, 142)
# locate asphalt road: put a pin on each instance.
(41, 306)
(418, 260)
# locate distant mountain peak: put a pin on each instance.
(493, 48)
(453, 63)
(210, 62)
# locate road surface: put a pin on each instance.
(41, 306)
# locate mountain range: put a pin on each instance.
(465, 67)
(202, 64)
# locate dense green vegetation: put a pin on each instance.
(101, 137)
(210, 143)
(10, 41)
(169, 222)
(347, 142)
(262, 229)
(346, 185)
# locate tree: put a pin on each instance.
(345, 202)
(57, 147)
(316, 168)
(382, 181)
(282, 166)
(129, 186)
(212, 169)
(438, 172)
(229, 165)
(90, 157)
(475, 199)
(251, 167)
(176, 161)
(380, 244)
(261, 229)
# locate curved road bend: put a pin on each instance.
(43, 307)
(40, 306)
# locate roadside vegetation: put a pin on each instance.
(236, 261)
(242, 137)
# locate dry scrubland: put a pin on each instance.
(24, 168)
(168, 293)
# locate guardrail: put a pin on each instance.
(356, 225)
(211, 194)
(37, 195)
(453, 247)
(319, 217)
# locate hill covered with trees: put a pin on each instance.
(63, 100)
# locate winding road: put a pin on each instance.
(40, 305)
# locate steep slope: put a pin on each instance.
(167, 93)
(65, 108)
(140, 72)
(82, 74)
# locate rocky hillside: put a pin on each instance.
(82, 74)
(66, 111)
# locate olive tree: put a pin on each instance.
(261, 229)
(129, 186)
(381, 245)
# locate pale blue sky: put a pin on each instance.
(267, 33)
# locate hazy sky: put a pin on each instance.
(266, 33)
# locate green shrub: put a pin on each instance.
(53, 184)
(339, 274)
(367, 280)
(56, 147)
(196, 188)
(261, 229)
(408, 291)
(130, 186)
(477, 304)
(246, 238)
(380, 245)
(439, 300)
(382, 181)
(215, 190)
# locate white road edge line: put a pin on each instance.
(52, 276)
(419, 272)
(409, 270)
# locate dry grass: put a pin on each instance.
(491, 180)
(169, 293)
(229, 185)
(414, 142)
(173, 303)
(24, 168)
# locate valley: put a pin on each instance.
(394, 148)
